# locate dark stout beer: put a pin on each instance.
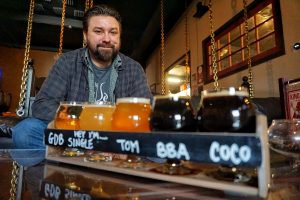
(226, 110)
(172, 113)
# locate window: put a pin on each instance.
(178, 77)
(265, 40)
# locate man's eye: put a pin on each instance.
(98, 31)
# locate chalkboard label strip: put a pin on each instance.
(238, 149)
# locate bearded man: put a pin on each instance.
(98, 72)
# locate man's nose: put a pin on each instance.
(106, 37)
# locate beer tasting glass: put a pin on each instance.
(132, 115)
(284, 137)
(227, 110)
(97, 116)
(68, 117)
(172, 113)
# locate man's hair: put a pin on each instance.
(97, 10)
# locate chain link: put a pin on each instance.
(249, 62)
(88, 4)
(85, 9)
(162, 34)
(14, 181)
(186, 52)
(213, 47)
(20, 110)
(62, 27)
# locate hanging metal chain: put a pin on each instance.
(14, 181)
(62, 27)
(88, 4)
(162, 34)
(213, 47)
(249, 62)
(186, 52)
(20, 110)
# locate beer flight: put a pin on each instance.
(221, 110)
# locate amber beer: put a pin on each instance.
(132, 115)
(97, 116)
(67, 116)
(226, 109)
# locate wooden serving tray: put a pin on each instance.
(202, 148)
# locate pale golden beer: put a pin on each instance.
(97, 116)
(67, 116)
(132, 115)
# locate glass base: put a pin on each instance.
(173, 168)
(284, 164)
(134, 162)
(289, 168)
(231, 174)
(72, 152)
(99, 157)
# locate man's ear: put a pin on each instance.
(84, 39)
(84, 36)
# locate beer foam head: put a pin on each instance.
(231, 91)
(99, 104)
(171, 97)
(71, 103)
(133, 100)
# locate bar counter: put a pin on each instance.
(43, 179)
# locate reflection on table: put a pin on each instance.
(48, 180)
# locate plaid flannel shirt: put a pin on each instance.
(68, 81)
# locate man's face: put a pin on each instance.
(103, 38)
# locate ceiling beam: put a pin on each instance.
(51, 20)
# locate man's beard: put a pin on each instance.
(104, 55)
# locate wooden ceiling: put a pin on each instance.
(141, 23)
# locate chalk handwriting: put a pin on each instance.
(52, 191)
(79, 134)
(95, 135)
(70, 194)
(80, 142)
(169, 151)
(232, 153)
(55, 139)
(129, 146)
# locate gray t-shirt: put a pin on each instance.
(102, 81)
